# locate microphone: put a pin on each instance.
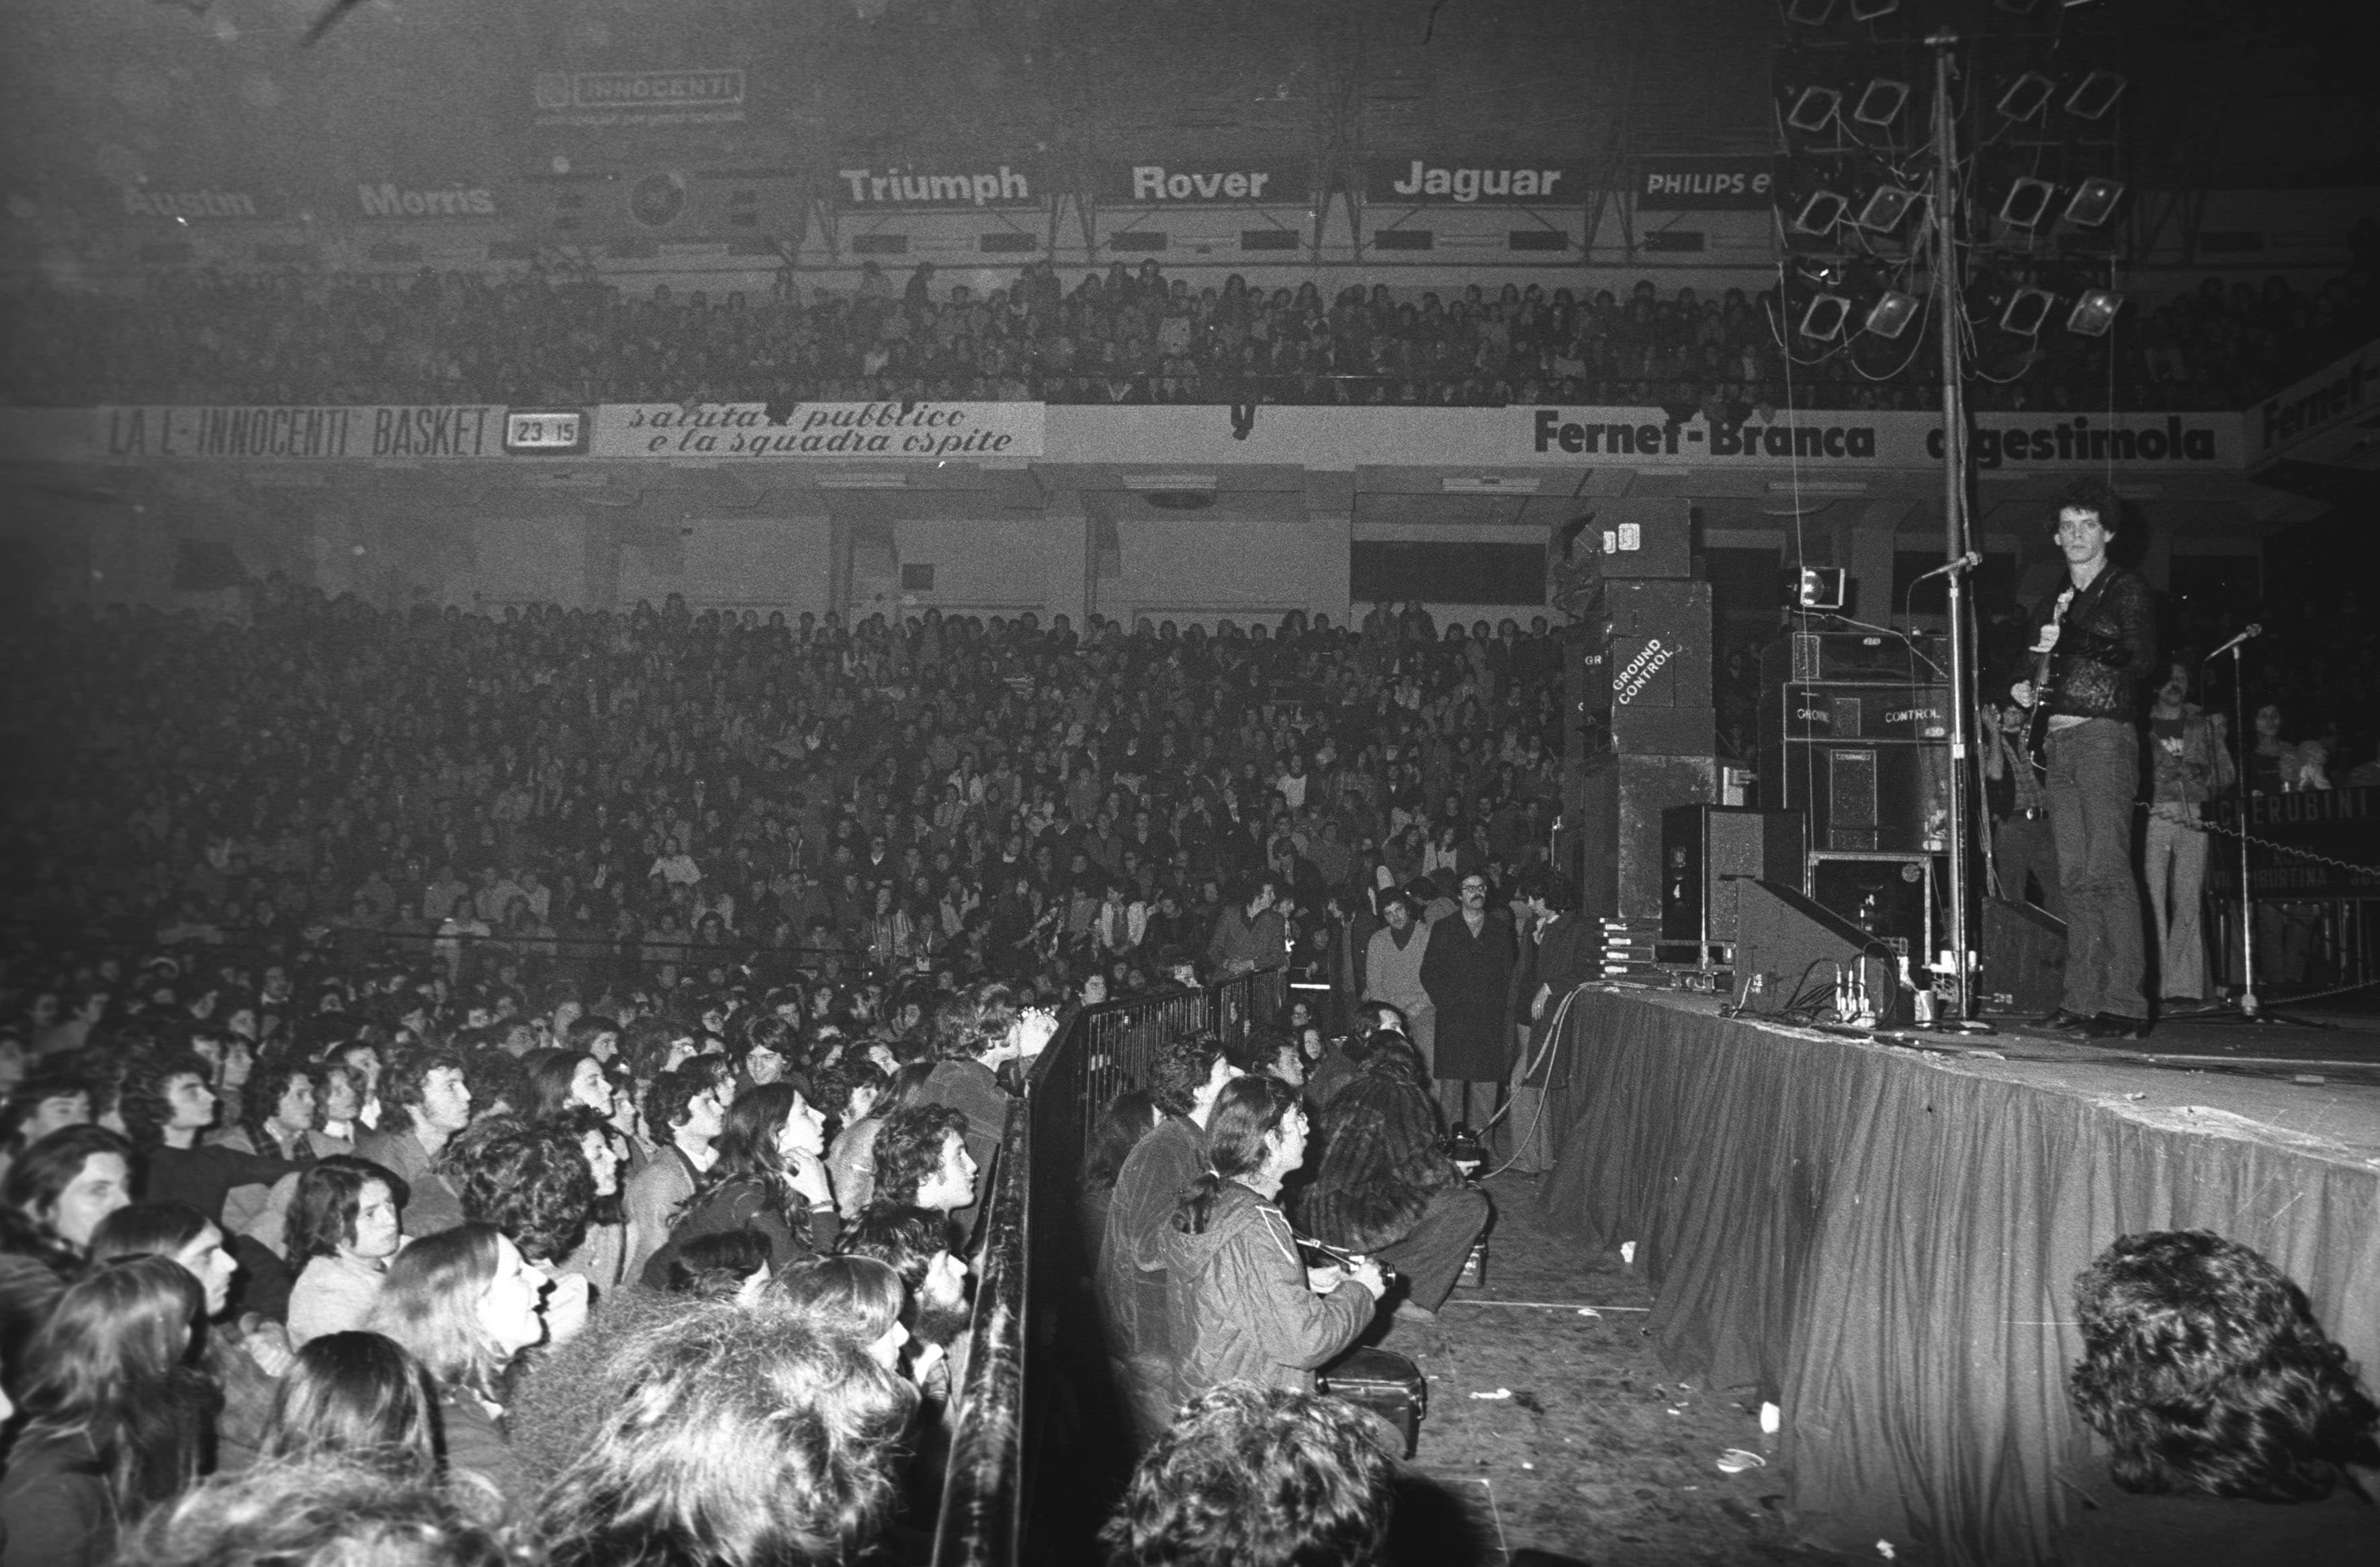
(2252, 630)
(1967, 562)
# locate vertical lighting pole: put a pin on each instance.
(1960, 1012)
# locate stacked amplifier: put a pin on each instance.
(1855, 731)
(1642, 733)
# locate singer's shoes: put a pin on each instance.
(2065, 1022)
(2109, 1027)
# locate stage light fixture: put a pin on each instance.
(2095, 312)
(1886, 206)
(2026, 96)
(1820, 214)
(2096, 95)
(1823, 321)
(1809, 13)
(1813, 108)
(2028, 202)
(2093, 202)
(1880, 102)
(1891, 315)
(2028, 310)
(1873, 10)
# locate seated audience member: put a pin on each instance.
(241, 1357)
(855, 1299)
(426, 1100)
(852, 1159)
(344, 1226)
(729, 1436)
(54, 1197)
(723, 1264)
(2204, 1372)
(922, 1160)
(916, 1243)
(51, 1096)
(769, 1176)
(357, 1396)
(1186, 1077)
(1385, 1187)
(114, 1422)
(1129, 1117)
(167, 1105)
(1250, 1476)
(602, 1258)
(1244, 1306)
(560, 1079)
(685, 1114)
(532, 1183)
(326, 1510)
(463, 1303)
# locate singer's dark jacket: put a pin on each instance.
(2109, 645)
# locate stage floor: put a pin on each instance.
(1882, 1232)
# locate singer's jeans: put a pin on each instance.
(2176, 857)
(2095, 770)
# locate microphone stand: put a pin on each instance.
(2247, 1008)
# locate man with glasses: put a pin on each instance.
(2098, 641)
(1467, 972)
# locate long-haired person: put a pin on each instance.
(321, 1512)
(855, 1299)
(559, 1079)
(168, 1105)
(769, 1176)
(731, 1438)
(55, 1194)
(344, 1223)
(359, 1395)
(532, 1182)
(1244, 1307)
(463, 1303)
(2208, 1378)
(851, 1162)
(115, 1419)
(602, 1256)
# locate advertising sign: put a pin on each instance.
(1429, 181)
(1688, 184)
(2333, 395)
(639, 99)
(207, 203)
(921, 186)
(300, 434)
(1196, 183)
(911, 430)
(406, 201)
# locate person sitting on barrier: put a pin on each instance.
(1243, 1306)
(2205, 1372)
(1252, 1476)
(1386, 1186)
(1185, 1078)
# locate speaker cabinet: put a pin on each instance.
(1658, 649)
(1645, 536)
(1878, 797)
(1708, 853)
(2024, 961)
(1647, 787)
(1788, 948)
(1888, 896)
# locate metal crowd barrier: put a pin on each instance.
(1039, 1447)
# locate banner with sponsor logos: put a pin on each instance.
(1497, 182)
(298, 434)
(2340, 392)
(1705, 184)
(917, 432)
(1196, 183)
(640, 99)
(958, 182)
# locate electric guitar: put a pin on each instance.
(2045, 686)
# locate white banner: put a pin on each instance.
(298, 434)
(2324, 400)
(912, 432)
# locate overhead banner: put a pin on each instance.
(1832, 441)
(1413, 182)
(925, 186)
(639, 99)
(298, 434)
(1705, 184)
(1202, 184)
(2336, 394)
(913, 432)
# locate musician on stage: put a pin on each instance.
(2093, 643)
(2189, 765)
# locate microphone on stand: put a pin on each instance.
(1967, 562)
(2252, 630)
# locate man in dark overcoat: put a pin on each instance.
(1468, 974)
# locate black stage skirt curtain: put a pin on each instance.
(1884, 1241)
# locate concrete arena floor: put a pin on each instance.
(1600, 1454)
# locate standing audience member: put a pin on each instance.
(922, 1161)
(115, 1421)
(1468, 973)
(686, 1114)
(2188, 766)
(532, 1183)
(851, 1160)
(1393, 972)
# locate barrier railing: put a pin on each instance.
(1039, 1449)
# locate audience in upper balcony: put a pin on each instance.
(535, 335)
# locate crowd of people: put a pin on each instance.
(532, 1054)
(1124, 336)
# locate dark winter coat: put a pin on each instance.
(1470, 979)
(1131, 1276)
(1383, 1158)
(1561, 958)
(1242, 1309)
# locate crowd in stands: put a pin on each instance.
(469, 1078)
(1125, 335)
